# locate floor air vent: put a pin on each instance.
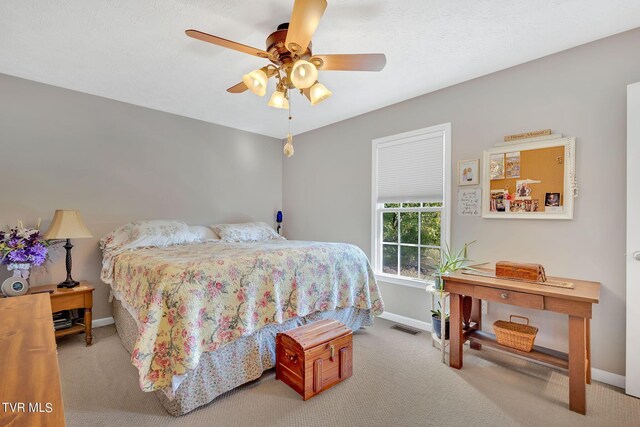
(405, 329)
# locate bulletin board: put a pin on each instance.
(535, 180)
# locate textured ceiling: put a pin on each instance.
(136, 51)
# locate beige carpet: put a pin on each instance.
(398, 380)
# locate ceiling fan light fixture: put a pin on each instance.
(304, 74)
(319, 93)
(256, 81)
(278, 100)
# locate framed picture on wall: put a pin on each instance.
(468, 172)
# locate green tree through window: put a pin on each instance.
(411, 239)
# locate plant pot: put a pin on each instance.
(436, 325)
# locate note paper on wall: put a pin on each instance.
(469, 201)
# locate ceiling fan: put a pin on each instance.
(292, 62)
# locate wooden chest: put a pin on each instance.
(521, 271)
(314, 357)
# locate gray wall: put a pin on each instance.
(116, 162)
(580, 92)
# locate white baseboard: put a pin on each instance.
(596, 374)
(608, 378)
(96, 323)
(418, 324)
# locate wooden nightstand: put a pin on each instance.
(80, 296)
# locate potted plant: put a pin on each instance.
(436, 319)
(450, 261)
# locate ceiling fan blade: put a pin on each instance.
(307, 93)
(227, 43)
(305, 18)
(239, 88)
(354, 62)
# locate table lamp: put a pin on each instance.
(67, 224)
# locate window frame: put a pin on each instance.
(377, 209)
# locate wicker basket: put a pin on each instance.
(515, 335)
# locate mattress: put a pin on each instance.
(236, 363)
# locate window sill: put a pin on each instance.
(404, 281)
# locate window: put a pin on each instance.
(411, 239)
(411, 206)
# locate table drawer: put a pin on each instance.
(458, 288)
(67, 302)
(520, 299)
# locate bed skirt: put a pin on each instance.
(235, 364)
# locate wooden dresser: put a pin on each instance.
(576, 303)
(30, 393)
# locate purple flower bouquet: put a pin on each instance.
(21, 248)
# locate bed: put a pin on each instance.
(199, 316)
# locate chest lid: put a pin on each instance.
(316, 333)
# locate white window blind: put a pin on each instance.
(411, 169)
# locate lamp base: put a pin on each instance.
(68, 284)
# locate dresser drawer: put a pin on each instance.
(520, 299)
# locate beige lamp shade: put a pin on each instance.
(67, 224)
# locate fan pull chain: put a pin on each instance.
(288, 147)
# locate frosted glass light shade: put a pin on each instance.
(256, 81)
(319, 93)
(278, 100)
(67, 224)
(303, 74)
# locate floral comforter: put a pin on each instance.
(195, 298)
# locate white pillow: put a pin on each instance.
(203, 233)
(139, 234)
(246, 232)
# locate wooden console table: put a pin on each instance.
(30, 385)
(576, 303)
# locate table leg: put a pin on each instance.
(476, 316)
(588, 350)
(455, 331)
(87, 327)
(443, 325)
(577, 364)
